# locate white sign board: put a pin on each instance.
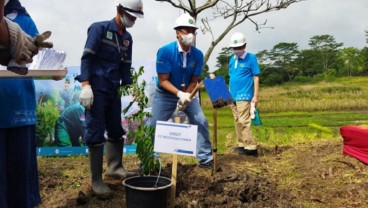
(175, 138)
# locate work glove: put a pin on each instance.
(252, 110)
(23, 47)
(184, 97)
(39, 40)
(86, 97)
(180, 106)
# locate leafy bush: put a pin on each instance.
(303, 79)
(47, 114)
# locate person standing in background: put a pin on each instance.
(106, 65)
(19, 186)
(244, 86)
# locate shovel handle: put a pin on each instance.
(196, 89)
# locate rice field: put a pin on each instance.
(296, 113)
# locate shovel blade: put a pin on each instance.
(218, 92)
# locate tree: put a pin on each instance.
(364, 54)
(309, 63)
(234, 11)
(263, 57)
(352, 59)
(223, 63)
(284, 55)
(327, 47)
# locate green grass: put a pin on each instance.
(296, 113)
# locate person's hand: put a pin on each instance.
(86, 97)
(184, 97)
(180, 106)
(252, 110)
(22, 47)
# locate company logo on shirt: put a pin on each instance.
(242, 65)
(109, 35)
(126, 43)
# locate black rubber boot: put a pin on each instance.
(98, 187)
(114, 156)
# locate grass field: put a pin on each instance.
(297, 113)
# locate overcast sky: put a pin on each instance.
(346, 20)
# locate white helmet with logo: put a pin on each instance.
(133, 7)
(237, 40)
(185, 20)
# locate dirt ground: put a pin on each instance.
(313, 174)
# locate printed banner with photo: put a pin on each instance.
(61, 119)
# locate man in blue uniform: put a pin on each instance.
(244, 86)
(105, 66)
(179, 65)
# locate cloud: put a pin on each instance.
(69, 20)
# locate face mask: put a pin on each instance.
(238, 53)
(188, 39)
(126, 22)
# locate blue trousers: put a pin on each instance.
(163, 107)
(104, 116)
(18, 168)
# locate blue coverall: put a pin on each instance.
(106, 64)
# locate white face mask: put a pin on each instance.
(239, 53)
(126, 21)
(188, 39)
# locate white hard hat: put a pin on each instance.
(133, 7)
(185, 20)
(237, 39)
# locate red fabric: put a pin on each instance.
(355, 142)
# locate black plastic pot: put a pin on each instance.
(143, 192)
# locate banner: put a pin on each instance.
(61, 120)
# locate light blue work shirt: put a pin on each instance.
(241, 72)
(171, 61)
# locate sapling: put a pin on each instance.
(143, 134)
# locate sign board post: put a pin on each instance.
(176, 139)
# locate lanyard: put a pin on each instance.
(181, 62)
(119, 49)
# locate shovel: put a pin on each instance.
(220, 97)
